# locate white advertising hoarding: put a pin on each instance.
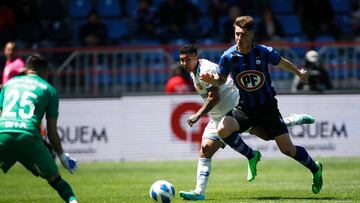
(137, 128)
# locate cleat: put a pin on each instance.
(191, 196)
(317, 179)
(299, 119)
(72, 200)
(252, 165)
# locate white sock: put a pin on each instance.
(203, 173)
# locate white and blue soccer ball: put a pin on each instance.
(162, 191)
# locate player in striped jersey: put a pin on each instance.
(218, 101)
(247, 63)
(23, 102)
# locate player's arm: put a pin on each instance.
(217, 77)
(54, 138)
(214, 79)
(211, 100)
(288, 66)
(53, 135)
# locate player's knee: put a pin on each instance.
(227, 126)
(205, 151)
(223, 132)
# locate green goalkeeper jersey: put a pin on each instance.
(24, 100)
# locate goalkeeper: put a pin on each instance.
(23, 102)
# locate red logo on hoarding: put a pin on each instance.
(178, 126)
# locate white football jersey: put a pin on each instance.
(229, 94)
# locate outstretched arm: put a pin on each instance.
(54, 138)
(211, 100)
(214, 79)
(287, 65)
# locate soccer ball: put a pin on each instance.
(162, 191)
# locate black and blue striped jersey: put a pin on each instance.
(250, 73)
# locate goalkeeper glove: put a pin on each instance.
(68, 162)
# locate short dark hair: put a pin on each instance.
(188, 49)
(246, 22)
(36, 62)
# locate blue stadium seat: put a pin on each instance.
(340, 6)
(77, 24)
(206, 24)
(80, 8)
(222, 21)
(323, 38)
(282, 6)
(344, 22)
(132, 75)
(202, 5)
(109, 8)
(117, 28)
(156, 2)
(300, 51)
(146, 42)
(157, 75)
(291, 24)
(131, 7)
(208, 41)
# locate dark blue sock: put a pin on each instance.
(235, 141)
(304, 158)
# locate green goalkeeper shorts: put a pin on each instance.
(30, 151)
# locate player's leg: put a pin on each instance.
(37, 159)
(292, 120)
(270, 119)
(7, 151)
(300, 154)
(63, 188)
(210, 144)
(208, 149)
(228, 129)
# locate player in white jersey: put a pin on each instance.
(218, 101)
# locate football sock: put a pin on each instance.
(304, 158)
(236, 142)
(203, 172)
(63, 188)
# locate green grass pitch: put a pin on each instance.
(278, 180)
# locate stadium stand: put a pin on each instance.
(118, 28)
(109, 8)
(340, 6)
(282, 6)
(80, 8)
(291, 24)
(59, 29)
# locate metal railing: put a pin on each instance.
(111, 72)
(114, 71)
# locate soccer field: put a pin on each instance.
(278, 180)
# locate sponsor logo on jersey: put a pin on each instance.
(250, 80)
